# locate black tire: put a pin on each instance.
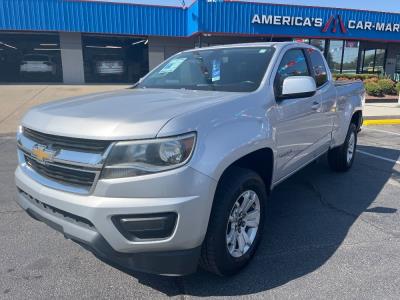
(215, 256)
(337, 157)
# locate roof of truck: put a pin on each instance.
(258, 44)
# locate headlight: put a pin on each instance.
(134, 158)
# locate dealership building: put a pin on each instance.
(74, 41)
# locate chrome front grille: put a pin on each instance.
(62, 174)
(66, 143)
(74, 166)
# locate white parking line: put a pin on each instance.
(380, 130)
(7, 138)
(380, 157)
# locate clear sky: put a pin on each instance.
(380, 5)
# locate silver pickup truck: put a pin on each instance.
(175, 172)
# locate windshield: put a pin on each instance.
(229, 70)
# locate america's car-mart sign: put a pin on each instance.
(334, 23)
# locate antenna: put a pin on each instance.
(272, 36)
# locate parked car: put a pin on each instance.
(178, 170)
(37, 63)
(109, 65)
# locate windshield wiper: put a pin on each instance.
(212, 87)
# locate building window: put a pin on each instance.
(114, 59)
(30, 58)
(397, 63)
(301, 40)
(335, 55)
(373, 61)
(368, 61)
(350, 56)
(320, 44)
(380, 61)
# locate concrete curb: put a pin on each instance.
(395, 117)
(375, 101)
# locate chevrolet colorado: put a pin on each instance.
(175, 172)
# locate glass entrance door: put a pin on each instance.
(397, 70)
(373, 61)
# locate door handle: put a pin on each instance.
(315, 105)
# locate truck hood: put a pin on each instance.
(121, 115)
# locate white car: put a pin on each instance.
(109, 65)
(37, 63)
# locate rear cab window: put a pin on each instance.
(318, 67)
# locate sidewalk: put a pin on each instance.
(15, 100)
(381, 113)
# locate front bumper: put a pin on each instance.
(105, 71)
(88, 219)
(172, 263)
(36, 69)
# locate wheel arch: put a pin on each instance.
(260, 161)
(357, 119)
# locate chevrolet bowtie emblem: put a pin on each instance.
(41, 153)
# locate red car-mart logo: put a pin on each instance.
(333, 23)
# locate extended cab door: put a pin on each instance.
(327, 91)
(300, 125)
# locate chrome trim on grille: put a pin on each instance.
(51, 183)
(82, 159)
(67, 143)
(50, 173)
(63, 174)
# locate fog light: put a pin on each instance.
(145, 227)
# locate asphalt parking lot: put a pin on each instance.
(328, 236)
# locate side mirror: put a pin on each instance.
(298, 87)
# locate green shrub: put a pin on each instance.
(351, 76)
(373, 89)
(398, 87)
(367, 76)
(387, 86)
(372, 79)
